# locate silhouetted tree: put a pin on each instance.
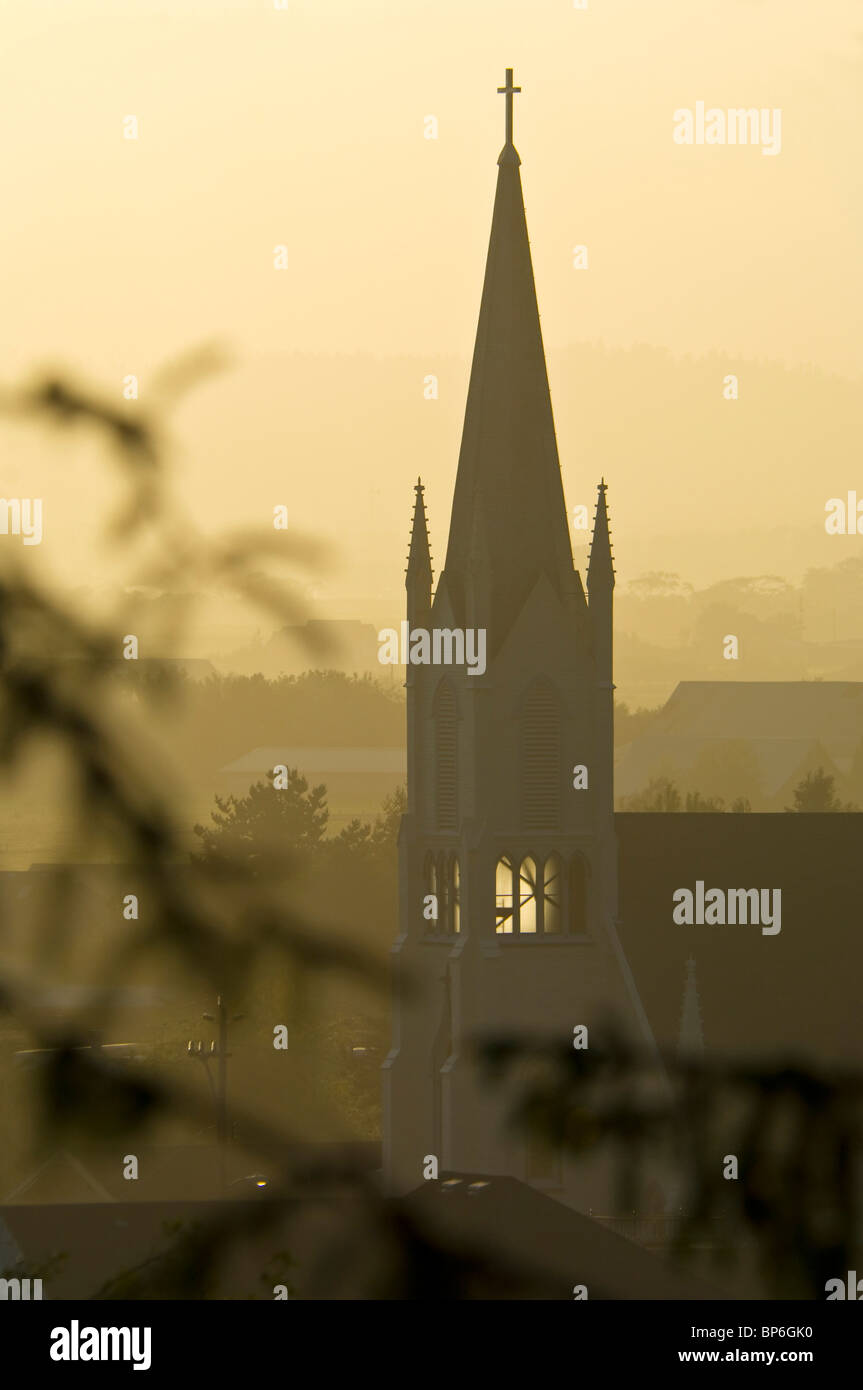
(817, 792)
(266, 820)
(661, 794)
(215, 920)
(629, 724)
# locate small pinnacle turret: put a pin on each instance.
(600, 564)
(418, 575)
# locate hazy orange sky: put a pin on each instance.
(305, 127)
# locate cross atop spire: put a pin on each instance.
(509, 91)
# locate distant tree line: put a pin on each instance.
(814, 792)
(661, 794)
(807, 631)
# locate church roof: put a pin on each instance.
(764, 709)
(765, 998)
(521, 1229)
(508, 487)
(315, 761)
(788, 728)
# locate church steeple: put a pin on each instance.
(507, 849)
(418, 575)
(508, 485)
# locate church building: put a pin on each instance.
(508, 854)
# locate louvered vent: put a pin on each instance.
(446, 760)
(540, 760)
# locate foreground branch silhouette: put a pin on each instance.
(219, 914)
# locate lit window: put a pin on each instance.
(504, 896)
(527, 896)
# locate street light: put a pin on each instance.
(251, 1180)
(219, 1087)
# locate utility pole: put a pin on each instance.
(219, 1088)
(222, 1088)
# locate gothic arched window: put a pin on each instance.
(527, 904)
(454, 923)
(443, 889)
(504, 895)
(540, 769)
(446, 758)
(431, 887)
(541, 898)
(552, 883)
(442, 879)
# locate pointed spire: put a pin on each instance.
(600, 564)
(690, 1043)
(418, 575)
(508, 471)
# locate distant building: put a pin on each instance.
(788, 729)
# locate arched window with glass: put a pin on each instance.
(454, 924)
(442, 880)
(533, 899)
(527, 899)
(552, 884)
(504, 896)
